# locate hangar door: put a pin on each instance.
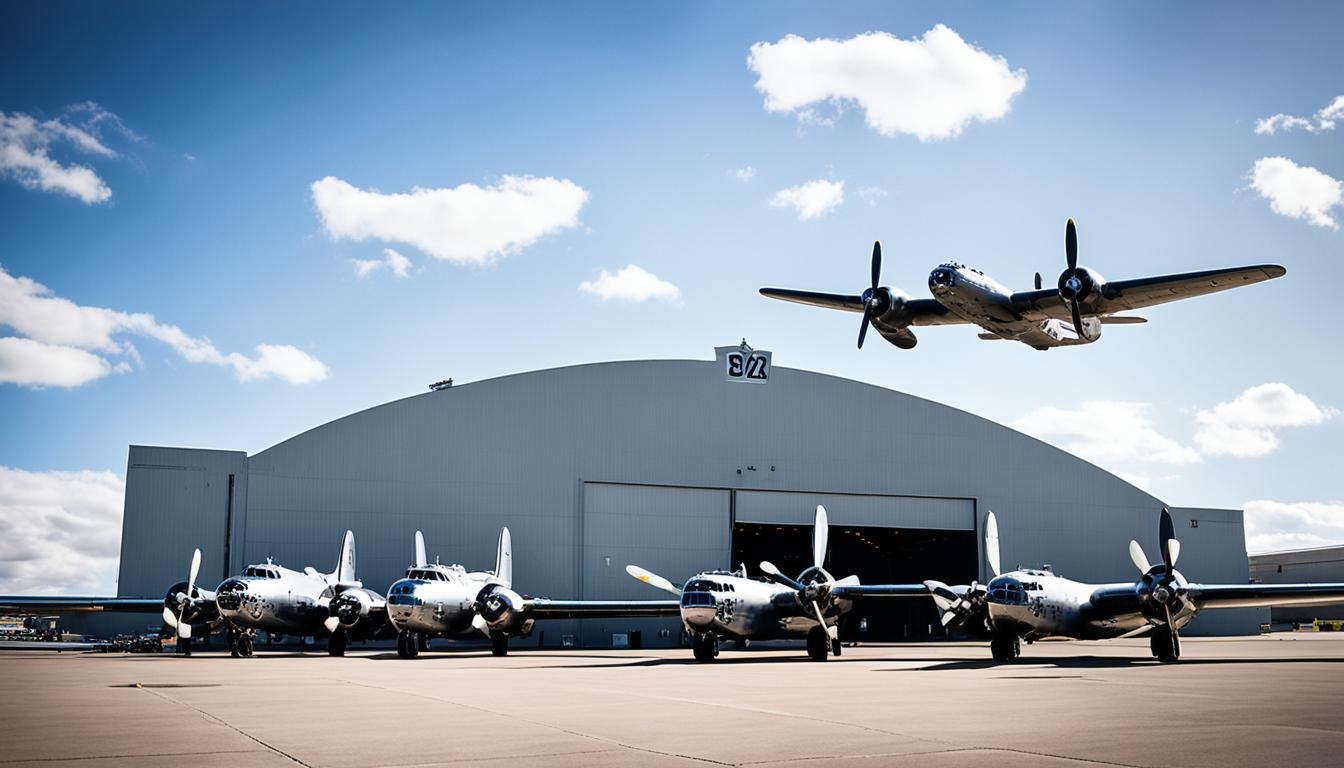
(674, 532)
(880, 539)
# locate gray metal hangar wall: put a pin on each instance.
(647, 462)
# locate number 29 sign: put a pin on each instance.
(744, 364)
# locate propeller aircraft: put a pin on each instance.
(1035, 603)
(1069, 314)
(721, 605)
(435, 600)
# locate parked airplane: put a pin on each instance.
(436, 600)
(1071, 313)
(287, 602)
(720, 604)
(1034, 603)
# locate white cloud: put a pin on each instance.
(1297, 191)
(60, 532)
(871, 195)
(1245, 425)
(811, 200)
(929, 87)
(744, 174)
(1324, 120)
(26, 144)
(630, 283)
(1106, 432)
(59, 339)
(396, 263)
(1277, 525)
(465, 224)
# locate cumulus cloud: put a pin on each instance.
(60, 532)
(1277, 525)
(1106, 432)
(392, 261)
(64, 344)
(466, 224)
(1324, 120)
(26, 144)
(811, 200)
(930, 87)
(744, 174)
(1245, 425)
(630, 283)
(1297, 191)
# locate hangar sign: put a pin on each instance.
(744, 364)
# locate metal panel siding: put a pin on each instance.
(852, 509)
(518, 451)
(674, 532)
(1208, 554)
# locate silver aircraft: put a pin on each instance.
(281, 601)
(722, 605)
(1036, 603)
(436, 600)
(1069, 314)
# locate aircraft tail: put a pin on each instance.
(504, 558)
(420, 559)
(345, 567)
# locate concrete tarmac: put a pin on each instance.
(1262, 701)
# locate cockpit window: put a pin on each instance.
(261, 572)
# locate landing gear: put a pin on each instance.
(499, 644)
(1005, 647)
(240, 642)
(835, 646)
(408, 644)
(184, 645)
(422, 642)
(336, 644)
(1166, 644)
(704, 646)
(818, 643)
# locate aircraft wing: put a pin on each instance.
(542, 608)
(863, 591)
(1263, 595)
(25, 604)
(1120, 295)
(913, 311)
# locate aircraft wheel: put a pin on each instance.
(336, 643)
(835, 646)
(422, 642)
(244, 645)
(499, 644)
(1166, 645)
(1005, 647)
(704, 646)
(818, 643)
(406, 645)
(184, 645)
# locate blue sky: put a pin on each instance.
(1138, 120)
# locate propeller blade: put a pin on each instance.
(1038, 281)
(331, 623)
(652, 579)
(1071, 244)
(480, 624)
(769, 569)
(1140, 559)
(184, 631)
(832, 630)
(169, 618)
(1077, 317)
(877, 263)
(863, 328)
(1167, 537)
(992, 543)
(195, 571)
(820, 532)
(191, 590)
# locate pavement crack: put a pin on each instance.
(228, 725)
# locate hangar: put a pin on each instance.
(675, 465)
(1312, 565)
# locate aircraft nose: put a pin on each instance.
(698, 609)
(231, 595)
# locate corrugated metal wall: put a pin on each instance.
(522, 450)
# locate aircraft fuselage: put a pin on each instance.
(1034, 604)
(275, 599)
(737, 607)
(978, 298)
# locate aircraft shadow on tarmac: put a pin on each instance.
(1094, 662)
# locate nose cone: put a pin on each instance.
(231, 596)
(698, 609)
(941, 280)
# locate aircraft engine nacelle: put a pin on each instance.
(503, 610)
(1080, 284)
(201, 610)
(359, 610)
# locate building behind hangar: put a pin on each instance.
(674, 465)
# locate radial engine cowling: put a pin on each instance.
(359, 610)
(503, 610)
(197, 608)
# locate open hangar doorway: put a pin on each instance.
(880, 539)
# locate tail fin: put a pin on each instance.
(345, 567)
(504, 558)
(420, 559)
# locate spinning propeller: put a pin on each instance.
(1161, 586)
(815, 583)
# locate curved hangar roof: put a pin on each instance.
(523, 450)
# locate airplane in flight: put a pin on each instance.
(1071, 313)
(285, 602)
(728, 605)
(435, 600)
(1036, 603)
